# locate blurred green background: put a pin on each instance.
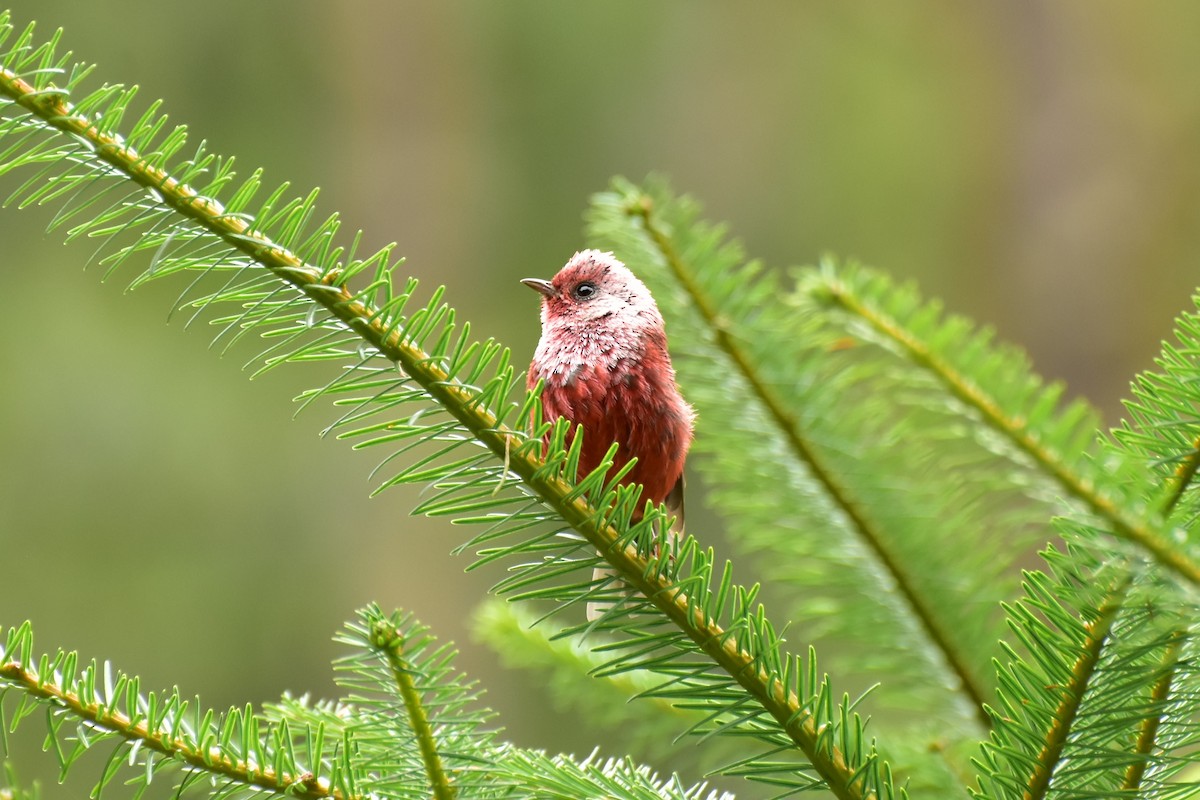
(1034, 164)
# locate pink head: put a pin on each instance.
(594, 290)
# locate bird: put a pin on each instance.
(604, 364)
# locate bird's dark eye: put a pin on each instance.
(585, 290)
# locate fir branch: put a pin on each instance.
(1161, 429)
(748, 652)
(1183, 477)
(787, 423)
(1014, 429)
(1087, 697)
(141, 732)
(569, 669)
(521, 639)
(1147, 737)
(1097, 632)
(562, 778)
(386, 638)
(373, 755)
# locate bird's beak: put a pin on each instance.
(539, 285)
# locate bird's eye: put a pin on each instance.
(585, 290)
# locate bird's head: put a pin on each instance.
(595, 289)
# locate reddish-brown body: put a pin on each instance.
(628, 403)
(603, 357)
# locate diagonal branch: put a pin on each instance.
(386, 638)
(1148, 732)
(1184, 477)
(260, 776)
(1097, 633)
(1015, 430)
(845, 779)
(869, 533)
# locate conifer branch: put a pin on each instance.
(387, 639)
(846, 778)
(869, 534)
(208, 760)
(1148, 731)
(1123, 524)
(1096, 636)
(525, 641)
(1183, 477)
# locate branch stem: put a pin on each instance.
(387, 639)
(1097, 633)
(1148, 731)
(261, 776)
(1185, 475)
